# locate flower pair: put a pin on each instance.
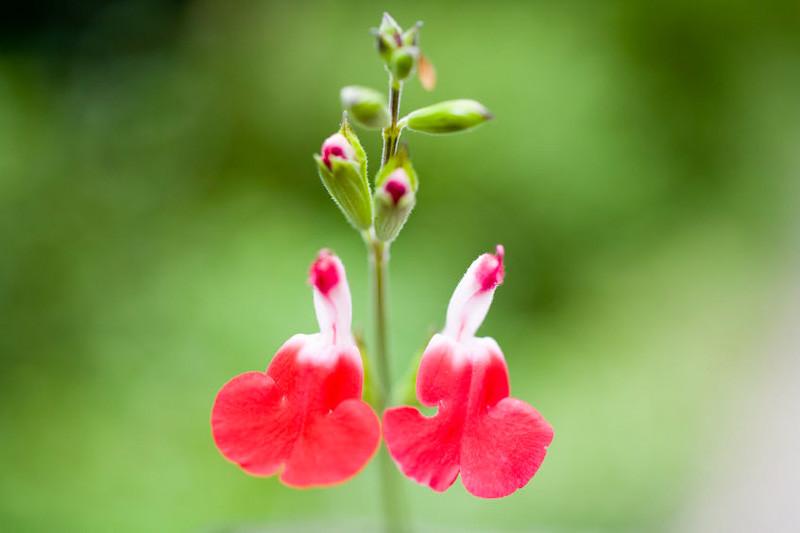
(304, 418)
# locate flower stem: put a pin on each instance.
(391, 134)
(395, 512)
(380, 264)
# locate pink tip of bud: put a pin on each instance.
(336, 145)
(397, 185)
(491, 271)
(324, 273)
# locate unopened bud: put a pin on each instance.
(403, 62)
(399, 50)
(447, 117)
(343, 170)
(366, 106)
(389, 37)
(337, 146)
(395, 195)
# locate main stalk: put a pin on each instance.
(395, 512)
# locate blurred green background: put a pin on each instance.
(159, 208)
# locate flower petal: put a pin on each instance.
(423, 448)
(303, 416)
(473, 295)
(502, 449)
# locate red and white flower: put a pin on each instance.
(496, 442)
(303, 418)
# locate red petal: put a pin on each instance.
(301, 415)
(502, 450)
(497, 442)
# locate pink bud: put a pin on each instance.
(397, 185)
(337, 145)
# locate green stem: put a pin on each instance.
(391, 134)
(380, 264)
(395, 512)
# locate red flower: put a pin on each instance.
(303, 417)
(495, 441)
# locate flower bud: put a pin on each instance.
(343, 170)
(394, 201)
(389, 37)
(399, 50)
(447, 117)
(395, 195)
(366, 106)
(403, 62)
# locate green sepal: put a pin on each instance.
(366, 106)
(411, 35)
(352, 138)
(390, 217)
(348, 189)
(447, 117)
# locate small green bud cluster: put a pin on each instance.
(399, 49)
(342, 163)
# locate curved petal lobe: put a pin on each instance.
(303, 418)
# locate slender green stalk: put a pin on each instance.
(380, 268)
(395, 512)
(391, 134)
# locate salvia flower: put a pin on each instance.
(496, 442)
(303, 418)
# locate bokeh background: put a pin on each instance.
(159, 208)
